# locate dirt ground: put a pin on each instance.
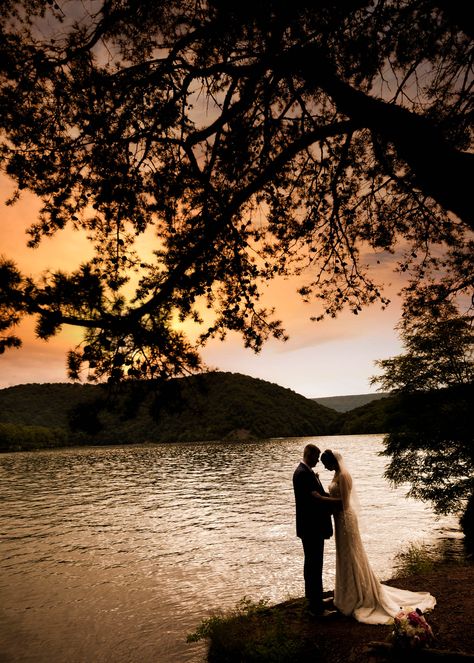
(340, 639)
(285, 632)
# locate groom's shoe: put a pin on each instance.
(329, 599)
(320, 613)
(328, 613)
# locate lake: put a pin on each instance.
(114, 554)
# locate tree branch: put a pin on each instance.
(218, 224)
(442, 172)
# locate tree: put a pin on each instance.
(430, 443)
(438, 353)
(256, 139)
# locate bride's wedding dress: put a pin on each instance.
(358, 592)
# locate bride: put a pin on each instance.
(358, 591)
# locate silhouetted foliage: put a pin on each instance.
(467, 523)
(85, 417)
(431, 446)
(430, 439)
(438, 344)
(249, 140)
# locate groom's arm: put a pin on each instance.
(303, 486)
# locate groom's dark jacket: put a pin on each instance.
(313, 517)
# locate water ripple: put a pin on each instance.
(114, 554)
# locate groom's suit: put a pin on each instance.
(313, 525)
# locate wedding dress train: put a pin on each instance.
(358, 592)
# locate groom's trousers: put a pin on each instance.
(313, 547)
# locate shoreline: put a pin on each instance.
(283, 633)
(250, 440)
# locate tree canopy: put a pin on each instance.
(251, 140)
(439, 345)
(430, 439)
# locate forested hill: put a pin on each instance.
(203, 407)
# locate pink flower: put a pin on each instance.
(411, 628)
(415, 619)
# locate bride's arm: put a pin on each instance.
(323, 498)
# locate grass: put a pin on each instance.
(255, 633)
(209, 627)
(417, 559)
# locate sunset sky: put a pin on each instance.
(329, 358)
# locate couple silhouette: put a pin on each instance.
(357, 592)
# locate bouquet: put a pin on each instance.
(410, 629)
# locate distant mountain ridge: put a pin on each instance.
(350, 402)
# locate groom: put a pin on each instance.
(313, 525)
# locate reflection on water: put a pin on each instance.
(115, 554)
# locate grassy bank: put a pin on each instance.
(285, 633)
